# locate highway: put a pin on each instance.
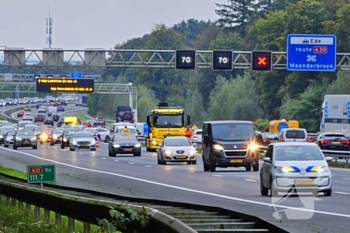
(230, 188)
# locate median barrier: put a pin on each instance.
(83, 209)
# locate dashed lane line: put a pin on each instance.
(148, 166)
(218, 175)
(249, 180)
(190, 171)
(131, 163)
(337, 192)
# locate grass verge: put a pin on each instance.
(13, 172)
(82, 116)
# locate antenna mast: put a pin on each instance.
(49, 27)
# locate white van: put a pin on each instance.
(292, 135)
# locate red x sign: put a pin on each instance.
(262, 61)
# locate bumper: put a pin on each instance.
(77, 146)
(318, 184)
(189, 158)
(19, 144)
(220, 159)
(119, 150)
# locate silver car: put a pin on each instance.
(177, 149)
(295, 167)
(82, 140)
(197, 136)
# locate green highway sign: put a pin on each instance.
(41, 173)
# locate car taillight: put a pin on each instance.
(282, 139)
(324, 141)
(265, 140)
(345, 142)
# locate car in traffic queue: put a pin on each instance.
(99, 124)
(100, 133)
(333, 141)
(45, 135)
(22, 124)
(24, 139)
(295, 167)
(29, 127)
(269, 137)
(197, 136)
(311, 137)
(42, 109)
(86, 124)
(60, 109)
(3, 132)
(177, 149)
(82, 140)
(56, 136)
(27, 117)
(5, 124)
(27, 108)
(49, 121)
(40, 117)
(60, 122)
(124, 143)
(55, 117)
(20, 113)
(38, 129)
(78, 127)
(8, 138)
(66, 136)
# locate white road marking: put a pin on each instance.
(81, 153)
(340, 169)
(131, 163)
(217, 175)
(249, 180)
(116, 160)
(148, 166)
(103, 158)
(268, 204)
(190, 171)
(341, 193)
(346, 178)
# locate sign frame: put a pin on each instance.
(62, 85)
(185, 54)
(217, 54)
(328, 62)
(41, 173)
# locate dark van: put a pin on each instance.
(229, 144)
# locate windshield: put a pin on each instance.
(11, 133)
(25, 133)
(177, 142)
(297, 134)
(233, 131)
(89, 130)
(29, 127)
(132, 130)
(168, 121)
(298, 153)
(124, 137)
(82, 135)
(57, 131)
(99, 123)
(70, 132)
(270, 135)
(22, 124)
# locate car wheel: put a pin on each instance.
(6, 145)
(41, 142)
(212, 166)
(15, 147)
(248, 168)
(106, 139)
(195, 162)
(159, 161)
(93, 149)
(273, 191)
(327, 193)
(35, 147)
(71, 149)
(62, 146)
(137, 154)
(256, 166)
(52, 144)
(263, 191)
(205, 166)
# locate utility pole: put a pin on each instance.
(49, 26)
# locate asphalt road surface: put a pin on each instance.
(230, 188)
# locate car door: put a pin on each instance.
(267, 166)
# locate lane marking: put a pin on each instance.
(103, 158)
(190, 171)
(249, 180)
(341, 193)
(346, 178)
(218, 175)
(148, 166)
(268, 204)
(131, 163)
(116, 160)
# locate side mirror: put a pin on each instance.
(267, 159)
(206, 139)
(329, 159)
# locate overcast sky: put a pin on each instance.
(80, 24)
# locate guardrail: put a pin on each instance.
(337, 154)
(86, 210)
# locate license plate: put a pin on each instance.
(26, 142)
(128, 149)
(336, 143)
(304, 181)
(85, 145)
(181, 157)
(273, 141)
(236, 160)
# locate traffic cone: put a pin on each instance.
(97, 144)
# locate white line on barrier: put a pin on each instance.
(341, 193)
(267, 203)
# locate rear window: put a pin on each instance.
(270, 135)
(334, 136)
(312, 136)
(199, 132)
(296, 134)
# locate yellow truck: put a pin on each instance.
(165, 121)
(70, 121)
(277, 125)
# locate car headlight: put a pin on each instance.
(155, 143)
(283, 169)
(116, 145)
(218, 147)
(193, 151)
(43, 136)
(17, 138)
(1, 136)
(167, 152)
(74, 142)
(54, 136)
(65, 139)
(33, 139)
(137, 145)
(252, 146)
(93, 142)
(322, 169)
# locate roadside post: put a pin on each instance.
(41, 173)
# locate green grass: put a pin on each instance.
(81, 116)
(13, 172)
(339, 165)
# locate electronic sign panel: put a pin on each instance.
(61, 85)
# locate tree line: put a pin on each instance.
(243, 25)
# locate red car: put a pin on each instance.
(20, 113)
(100, 119)
(86, 124)
(311, 137)
(56, 103)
